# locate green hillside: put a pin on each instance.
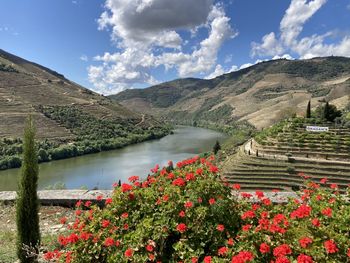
(71, 120)
(280, 156)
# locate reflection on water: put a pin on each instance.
(102, 169)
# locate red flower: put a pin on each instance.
(126, 187)
(179, 182)
(248, 214)
(334, 186)
(190, 177)
(323, 180)
(230, 242)
(166, 198)
(105, 223)
(128, 253)
(316, 222)
(212, 201)
(194, 260)
(182, 214)
(301, 212)
(149, 248)
(213, 169)
(220, 228)
(246, 227)
(126, 226)
(305, 241)
(108, 201)
(188, 204)
(304, 259)
(207, 259)
(133, 178)
(125, 215)
(282, 260)
(236, 186)
(282, 250)
(181, 228)
(88, 203)
(259, 194)
(264, 248)
(222, 251)
(242, 257)
(63, 220)
(108, 242)
(266, 201)
(99, 197)
(330, 246)
(348, 253)
(327, 212)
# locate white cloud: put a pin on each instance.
(217, 72)
(84, 58)
(146, 33)
(246, 65)
(291, 26)
(285, 56)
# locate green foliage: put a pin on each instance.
(328, 112)
(27, 205)
(175, 216)
(217, 147)
(308, 110)
(7, 68)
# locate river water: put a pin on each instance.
(101, 170)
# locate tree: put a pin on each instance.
(217, 147)
(27, 205)
(326, 111)
(308, 110)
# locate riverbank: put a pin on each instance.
(101, 170)
(50, 151)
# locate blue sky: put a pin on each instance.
(112, 45)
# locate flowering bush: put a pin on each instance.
(188, 215)
(175, 215)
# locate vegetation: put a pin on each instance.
(7, 68)
(187, 215)
(308, 110)
(217, 147)
(92, 135)
(28, 233)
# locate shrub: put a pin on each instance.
(163, 220)
(177, 215)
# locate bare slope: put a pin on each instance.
(261, 94)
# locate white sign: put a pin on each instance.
(317, 129)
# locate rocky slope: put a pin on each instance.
(261, 94)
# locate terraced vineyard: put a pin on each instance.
(280, 157)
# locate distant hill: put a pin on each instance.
(261, 94)
(65, 113)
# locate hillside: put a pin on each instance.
(261, 94)
(64, 112)
(279, 157)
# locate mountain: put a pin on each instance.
(261, 94)
(71, 120)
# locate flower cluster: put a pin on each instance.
(188, 214)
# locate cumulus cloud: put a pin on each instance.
(146, 32)
(291, 26)
(219, 70)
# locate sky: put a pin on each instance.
(112, 45)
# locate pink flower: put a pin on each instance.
(220, 228)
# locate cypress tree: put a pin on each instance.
(326, 111)
(216, 147)
(27, 205)
(308, 110)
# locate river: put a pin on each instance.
(101, 170)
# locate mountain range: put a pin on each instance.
(261, 94)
